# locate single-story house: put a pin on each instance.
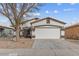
(46, 28)
(72, 32)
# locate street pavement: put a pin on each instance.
(44, 47)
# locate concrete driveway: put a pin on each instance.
(54, 44)
(45, 48)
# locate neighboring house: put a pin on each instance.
(46, 28)
(5, 31)
(72, 32)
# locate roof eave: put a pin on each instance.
(49, 18)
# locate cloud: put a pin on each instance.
(59, 4)
(36, 14)
(68, 9)
(72, 3)
(56, 11)
(47, 11)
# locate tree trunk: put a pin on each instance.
(17, 33)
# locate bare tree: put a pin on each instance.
(16, 12)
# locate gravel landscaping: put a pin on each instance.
(73, 41)
(22, 43)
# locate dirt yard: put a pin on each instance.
(22, 43)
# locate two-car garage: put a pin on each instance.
(47, 33)
(48, 28)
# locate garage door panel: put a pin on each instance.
(47, 33)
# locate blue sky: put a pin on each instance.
(67, 12)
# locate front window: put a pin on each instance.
(48, 21)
